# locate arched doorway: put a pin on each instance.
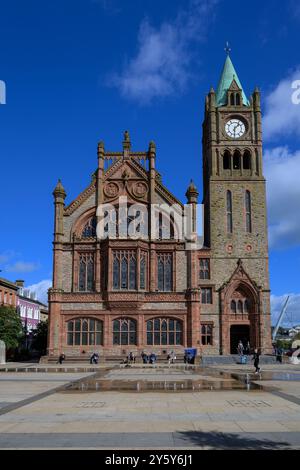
(238, 333)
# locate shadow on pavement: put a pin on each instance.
(220, 440)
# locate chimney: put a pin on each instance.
(19, 283)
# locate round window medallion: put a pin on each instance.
(229, 248)
(140, 189)
(249, 248)
(111, 190)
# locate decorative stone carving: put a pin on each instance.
(140, 189)
(111, 190)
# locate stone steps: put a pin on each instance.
(104, 359)
(234, 359)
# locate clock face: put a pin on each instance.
(235, 128)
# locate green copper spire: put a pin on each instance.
(228, 75)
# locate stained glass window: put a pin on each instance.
(164, 272)
(90, 228)
(143, 271)
(86, 272)
(124, 270)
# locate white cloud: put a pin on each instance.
(41, 289)
(282, 116)
(21, 267)
(292, 314)
(7, 255)
(282, 170)
(161, 66)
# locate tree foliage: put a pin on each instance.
(40, 335)
(11, 330)
(284, 343)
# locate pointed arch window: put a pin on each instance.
(124, 270)
(227, 160)
(248, 211)
(229, 212)
(165, 272)
(238, 99)
(236, 160)
(232, 103)
(247, 160)
(240, 306)
(233, 306)
(246, 306)
(132, 273)
(86, 272)
(143, 271)
(90, 228)
(116, 273)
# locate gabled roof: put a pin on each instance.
(139, 171)
(228, 76)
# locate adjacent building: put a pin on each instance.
(8, 293)
(29, 307)
(155, 293)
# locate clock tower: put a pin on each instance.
(235, 227)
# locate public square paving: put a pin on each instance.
(61, 409)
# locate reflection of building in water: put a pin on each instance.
(150, 292)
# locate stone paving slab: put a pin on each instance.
(164, 440)
(204, 419)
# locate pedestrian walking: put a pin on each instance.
(279, 355)
(240, 348)
(256, 361)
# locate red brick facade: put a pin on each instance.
(8, 293)
(206, 305)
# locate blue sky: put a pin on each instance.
(79, 71)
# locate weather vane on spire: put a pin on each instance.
(227, 48)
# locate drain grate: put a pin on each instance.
(90, 404)
(249, 403)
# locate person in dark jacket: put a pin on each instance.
(61, 358)
(256, 361)
(144, 358)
